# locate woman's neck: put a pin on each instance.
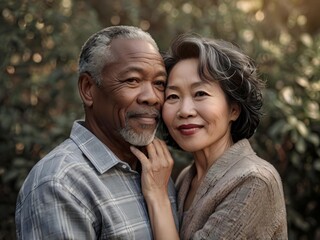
(206, 157)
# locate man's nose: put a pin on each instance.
(150, 95)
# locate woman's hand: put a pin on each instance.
(156, 169)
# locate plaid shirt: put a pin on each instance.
(81, 190)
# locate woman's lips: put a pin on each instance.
(189, 129)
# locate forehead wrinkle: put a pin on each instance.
(141, 70)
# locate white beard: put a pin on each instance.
(137, 139)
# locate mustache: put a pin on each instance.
(148, 112)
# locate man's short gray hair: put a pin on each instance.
(95, 53)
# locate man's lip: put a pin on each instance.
(143, 115)
(146, 118)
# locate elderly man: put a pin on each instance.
(89, 186)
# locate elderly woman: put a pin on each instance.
(212, 107)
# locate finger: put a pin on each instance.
(152, 152)
(161, 161)
(160, 154)
(140, 155)
(158, 147)
(154, 158)
(167, 153)
(163, 150)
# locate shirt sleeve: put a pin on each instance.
(245, 210)
(50, 211)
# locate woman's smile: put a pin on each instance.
(189, 129)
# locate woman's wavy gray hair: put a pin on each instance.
(95, 53)
(223, 62)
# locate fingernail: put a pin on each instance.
(132, 148)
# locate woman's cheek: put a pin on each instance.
(167, 112)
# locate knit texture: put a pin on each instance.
(241, 197)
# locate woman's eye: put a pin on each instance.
(201, 94)
(171, 96)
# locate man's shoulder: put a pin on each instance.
(56, 165)
(60, 157)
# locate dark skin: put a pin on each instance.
(131, 95)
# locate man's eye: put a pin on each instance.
(132, 80)
(161, 84)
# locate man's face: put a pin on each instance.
(127, 105)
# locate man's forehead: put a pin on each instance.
(122, 46)
(136, 67)
(139, 63)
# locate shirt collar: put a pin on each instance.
(98, 153)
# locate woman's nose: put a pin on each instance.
(187, 109)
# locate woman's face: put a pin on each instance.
(196, 112)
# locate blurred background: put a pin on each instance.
(39, 46)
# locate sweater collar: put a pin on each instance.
(219, 168)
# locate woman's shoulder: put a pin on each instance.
(253, 168)
(241, 163)
(249, 163)
(253, 164)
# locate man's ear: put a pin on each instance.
(85, 86)
(235, 111)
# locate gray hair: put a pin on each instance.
(223, 62)
(95, 53)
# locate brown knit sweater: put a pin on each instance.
(241, 197)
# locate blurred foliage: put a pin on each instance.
(41, 40)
